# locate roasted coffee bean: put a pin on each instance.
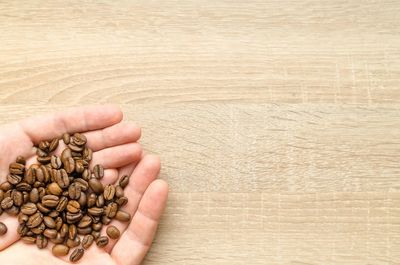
(3, 229)
(53, 144)
(46, 170)
(42, 192)
(111, 210)
(62, 178)
(79, 139)
(96, 186)
(39, 229)
(123, 216)
(62, 204)
(95, 211)
(119, 191)
(58, 239)
(91, 200)
(102, 241)
(75, 148)
(50, 233)
(64, 230)
(113, 232)
(28, 239)
(109, 192)
(96, 234)
(29, 208)
(84, 231)
(44, 159)
(22, 218)
(16, 168)
(34, 195)
(73, 217)
(66, 138)
(22, 229)
(42, 208)
(34, 220)
(60, 250)
(6, 203)
(105, 220)
(122, 201)
(82, 199)
(87, 241)
(54, 188)
(124, 181)
(98, 171)
(73, 207)
(17, 197)
(30, 176)
(72, 232)
(20, 160)
(71, 243)
(50, 201)
(49, 222)
(97, 226)
(85, 221)
(35, 174)
(1, 195)
(55, 162)
(79, 168)
(96, 219)
(14, 179)
(41, 241)
(53, 214)
(86, 174)
(14, 210)
(22, 187)
(59, 223)
(74, 191)
(100, 201)
(87, 154)
(69, 164)
(76, 255)
(41, 153)
(25, 196)
(44, 145)
(5, 186)
(83, 184)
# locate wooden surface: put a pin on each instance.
(278, 122)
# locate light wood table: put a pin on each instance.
(278, 122)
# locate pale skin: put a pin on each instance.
(114, 145)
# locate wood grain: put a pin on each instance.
(277, 121)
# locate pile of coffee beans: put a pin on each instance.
(61, 200)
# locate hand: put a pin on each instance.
(114, 146)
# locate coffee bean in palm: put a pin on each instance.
(96, 186)
(87, 241)
(22, 187)
(123, 216)
(124, 181)
(113, 232)
(44, 145)
(3, 229)
(111, 210)
(28, 239)
(98, 171)
(122, 201)
(102, 241)
(14, 179)
(76, 255)
(87, 154)
(60, 250)
(41, 241)
(119, 191)
(62, 179)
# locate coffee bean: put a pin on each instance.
(96, 185)
(16, 168)
(62, 178)
(50, 201)
(95, 211)
(66, 138)
(39, 174)
(62, 204)
(72, 232)
(96, 234)
(58, 239)
(59, 223)
(86, 174)
(71, 243)
(41, 241)
(75, 148)
(100, 201)
(97, 226)
(102, 241)
(14, 179)
(29, 208)
(14, 210)
(20, 160)
(50, 233)
(34, 195)
(83, 184)
(119, 191)
(6, 203)
(76, 255)
(73, 217)
(44, 145)
(28, 239)
(113, 232)
(87, 241)
(105, 220)
(42, 208)
(69, 164)
(3, 229)
(60, 250)
(74, 191)
(73, 207)
(124, 181)
(1, 195)
(87, 154)
(54, 188)
(85, 221)
(55, 162)
(49, 222)
(109, 192)
(91, 200)
(53, 144)
(82, 199)
(84, 231)
(64, 230)
(34, 220)
(22, 218)
(44, 159)
(123, 216)
(122, 201)
(22, 229)
(111, 210)
(53, 214)
(22, 187)
(5, 186)
(17, 197)
(39, 229)
(98, 171)
(79, 168)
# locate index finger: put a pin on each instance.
(79, 119)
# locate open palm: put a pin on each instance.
(114, 145)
